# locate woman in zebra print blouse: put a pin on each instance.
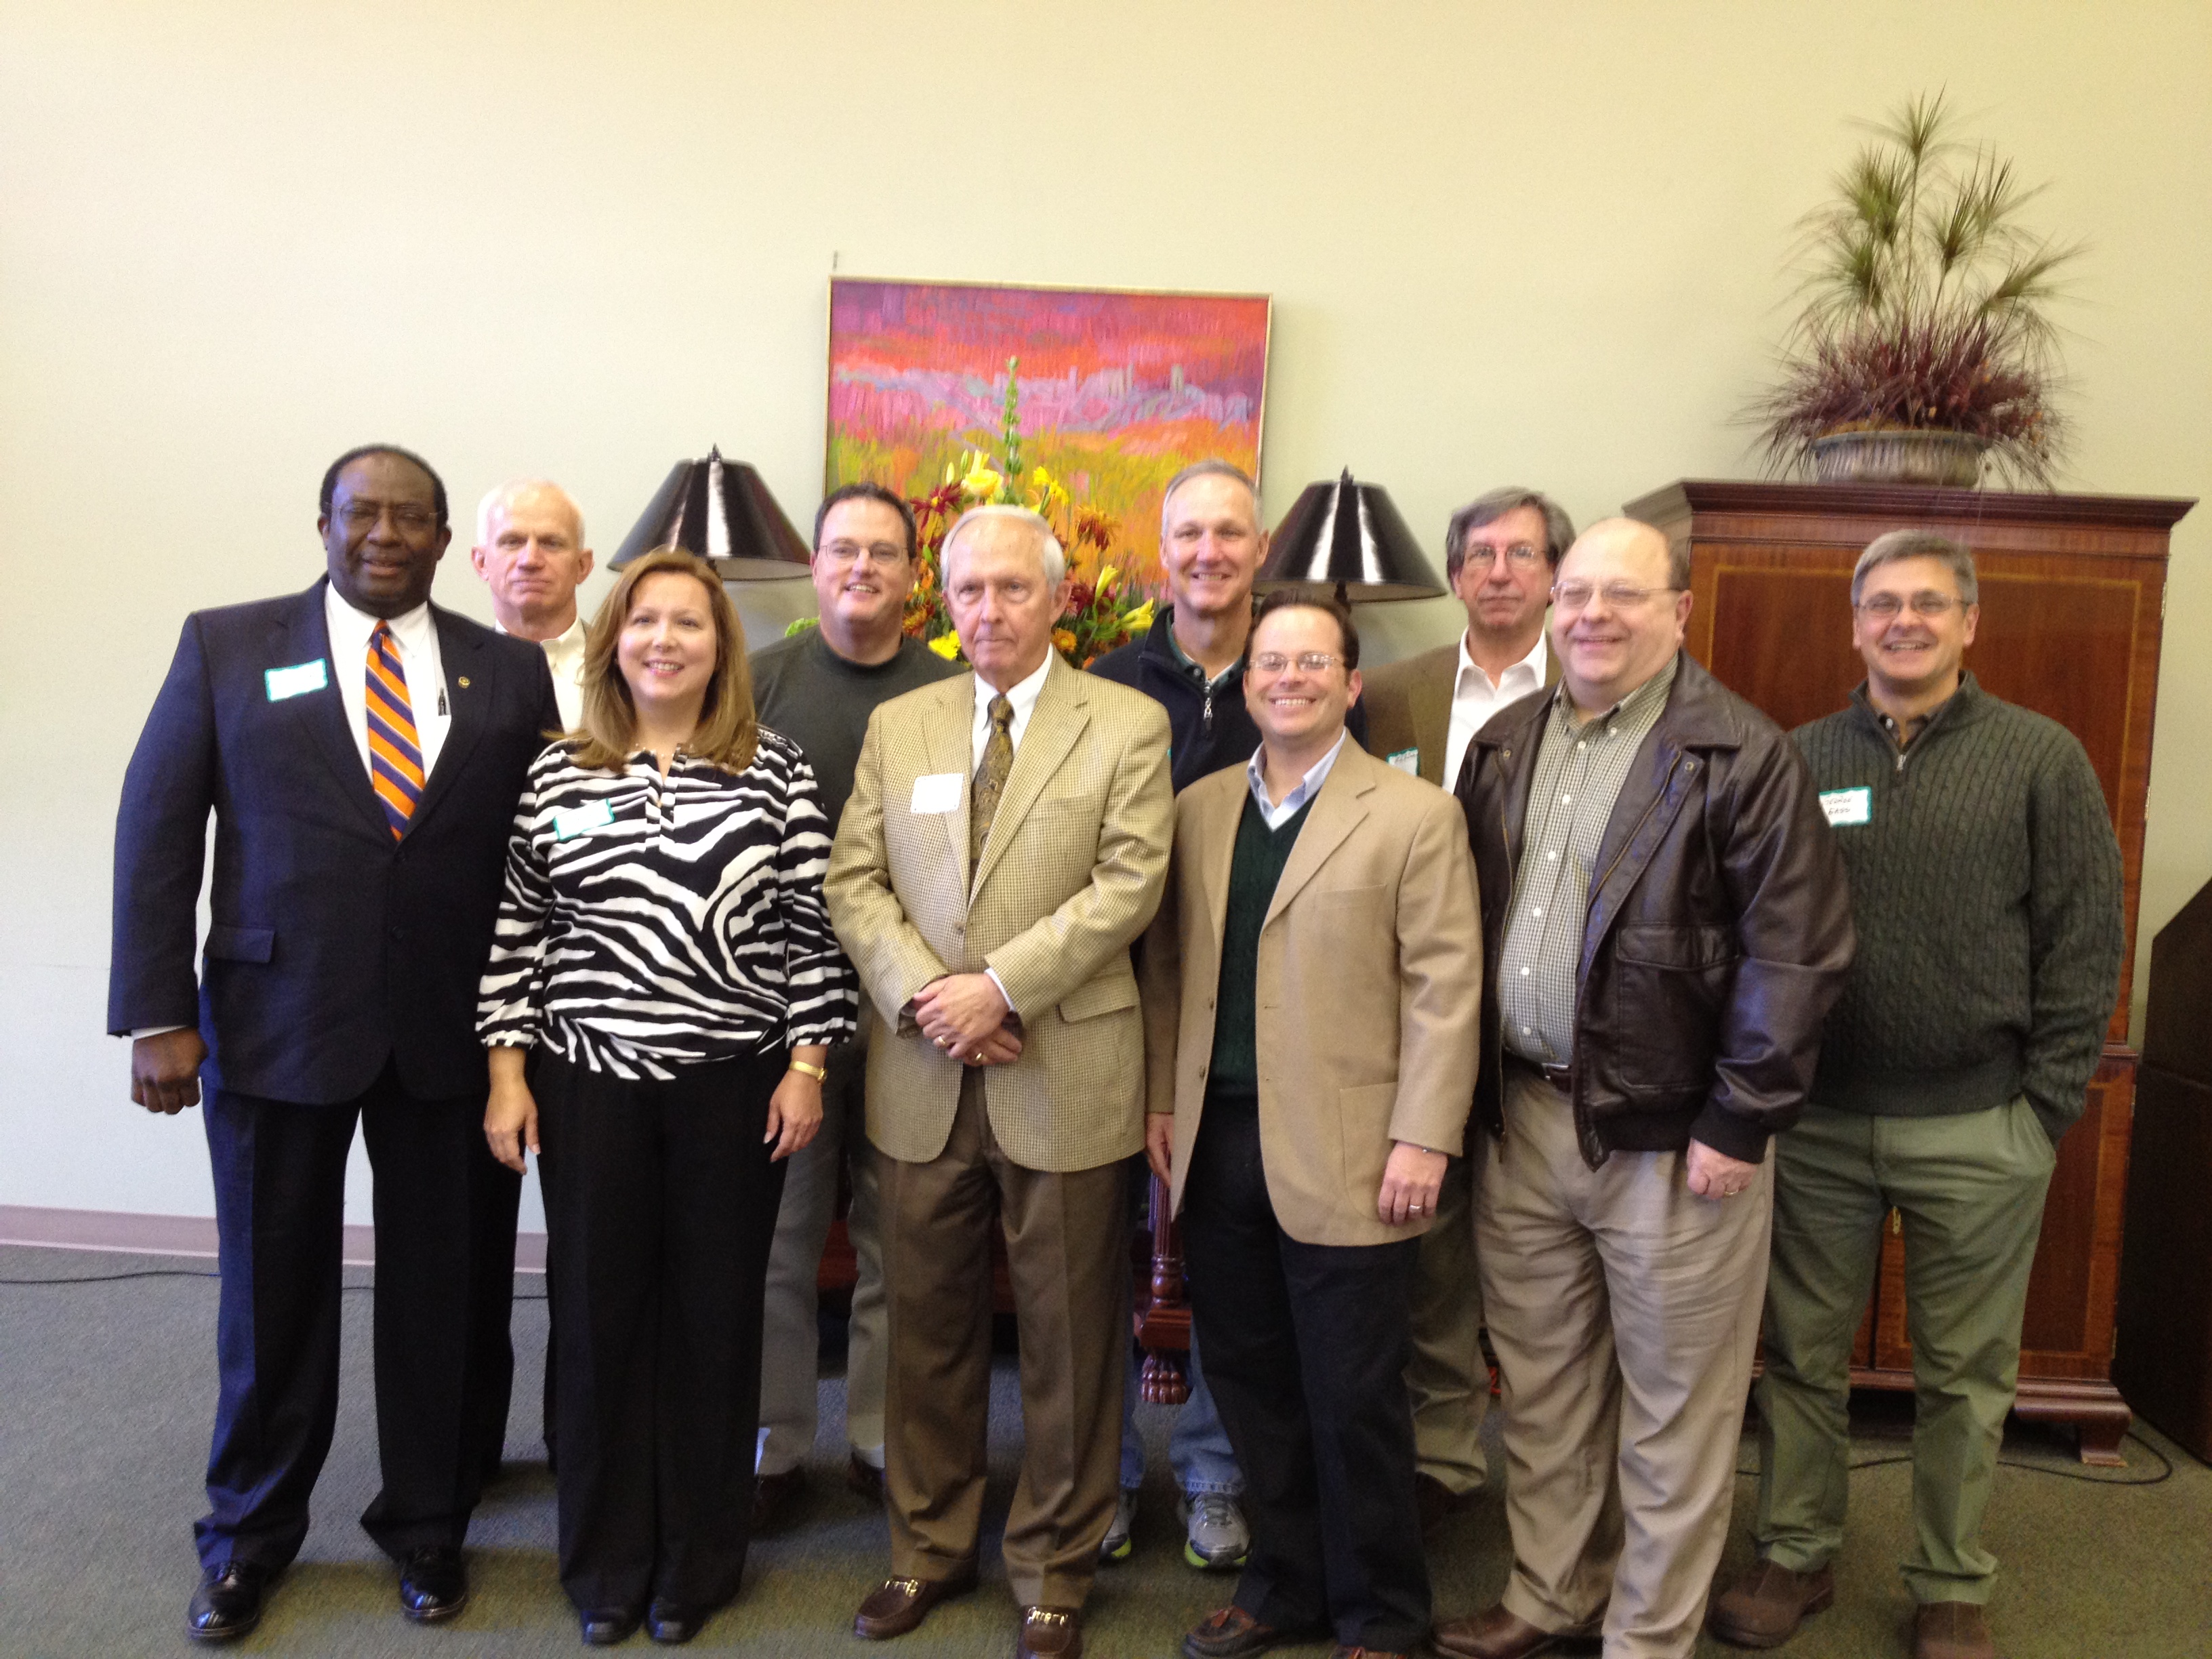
(661, 992)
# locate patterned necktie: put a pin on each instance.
(395, 755)
(991, 777)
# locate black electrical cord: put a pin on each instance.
(2164, 1469)
(183, 1273)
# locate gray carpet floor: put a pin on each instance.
(106, 1388)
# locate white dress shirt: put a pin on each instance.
(1024, 697)
(416, 637)
(564, 655)
(1276, 814)
(1474, 699)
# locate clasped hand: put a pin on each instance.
(968, 1019)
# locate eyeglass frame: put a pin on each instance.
(1309, 662)
(1871, 607)
(1620, 595)
(884, 554)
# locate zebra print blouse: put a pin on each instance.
(652, 922)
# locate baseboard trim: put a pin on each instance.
(132, 1233)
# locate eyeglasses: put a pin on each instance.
(1884, 607)
(1621, 596)
(1309, 662)
(845, 552)
(363, 515)
(1522, 555)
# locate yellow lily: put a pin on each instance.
(946, 646)
(1141, 619)
(1106, 579)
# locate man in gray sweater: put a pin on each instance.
(1985, 888)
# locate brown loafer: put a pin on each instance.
(1232, 1634)
(1438, 1503)
(1049, 1633)
(1494, 1633)
(773, 1496)
(863, 1478)
(897, 1605)
(1952, 1630)
(1763, 1608)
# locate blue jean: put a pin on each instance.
(1199, 1446)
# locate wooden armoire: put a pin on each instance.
(2072, 594)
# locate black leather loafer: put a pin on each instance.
(228, 1603)
(673, 1624)
(434, 1584)
(607, 1627)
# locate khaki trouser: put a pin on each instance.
(1970, 1190)
(1624, 1311)
(1446, 1377)
(1067, 1257)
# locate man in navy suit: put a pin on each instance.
(362, 752)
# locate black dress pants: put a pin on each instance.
(1305, 1352)
(497, 1204)
(661, 1208)
(279, 1171)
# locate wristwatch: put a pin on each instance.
(819, 1073)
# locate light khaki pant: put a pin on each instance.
(1624, 1311)
(1067, 1257)
(1446, 1375)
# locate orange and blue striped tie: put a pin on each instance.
(395, 754)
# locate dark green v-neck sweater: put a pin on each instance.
(1255, 868)
(1985, 890)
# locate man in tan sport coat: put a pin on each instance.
(1006, 841)
(1312, 987)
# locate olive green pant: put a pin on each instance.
(1970, 1192)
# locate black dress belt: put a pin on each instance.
(1559, 1077)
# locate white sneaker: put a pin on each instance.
(1215, 1536)
(1115, 1546)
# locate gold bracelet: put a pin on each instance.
(819, 1073)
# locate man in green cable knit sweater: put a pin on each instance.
(1985, 888)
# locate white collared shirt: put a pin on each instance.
(1474, 699)
(1024, 697)
(416, 636)
(1277, 814)
(564, 655)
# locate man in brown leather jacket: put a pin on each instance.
(1665, 924)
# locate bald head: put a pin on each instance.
(531, 552)
(1619, 609)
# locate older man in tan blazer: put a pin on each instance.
(1312, 989)
(1006, 841)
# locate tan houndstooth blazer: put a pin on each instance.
(1072, 872)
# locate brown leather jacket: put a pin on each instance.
(1719, 929)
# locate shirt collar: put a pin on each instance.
(1629, 707)
(1534, 662)
(350, 629)
(1024, 695)
(1277, 813)
(1189, 664)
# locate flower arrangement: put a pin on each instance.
(1924, 305)
(1103, 612)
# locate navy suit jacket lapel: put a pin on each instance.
(303, 637)
(471, 684)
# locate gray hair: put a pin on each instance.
(1918, 545)
(500, 494)
(1050, 553)
(1212, 468)
(1559, 529)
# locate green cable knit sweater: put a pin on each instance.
(1985, 888)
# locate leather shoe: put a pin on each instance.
(897, 1605)
(1951, 1630)
(1763, 1608)
(863, 1478)
(773, 1496)
(1494, 1633)
(1232, 1632)
(1049, 1633)
(1438, 1503)
(228, 1603)
(607, 1627)
(671, 1624)
(434, 1584)
(1353, 1651)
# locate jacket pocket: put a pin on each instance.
(240, 943)
(1099, 996)
(1670, 986)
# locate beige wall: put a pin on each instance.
(1533, 242)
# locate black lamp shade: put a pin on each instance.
(1348, 536)
(722, 511)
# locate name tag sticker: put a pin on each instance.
(1406, 760)
(284, 682)
(575, 820)
(937, 792)
(1848, 805)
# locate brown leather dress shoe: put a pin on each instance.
(1232, 1634)
(1049, 1633)
(897, 1605)
(1438, 1503)
(1952, 1630)
(1494, 1633)
(1345, 1650)
(863, 1478)
(1763, 1608)
(773, 1496)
